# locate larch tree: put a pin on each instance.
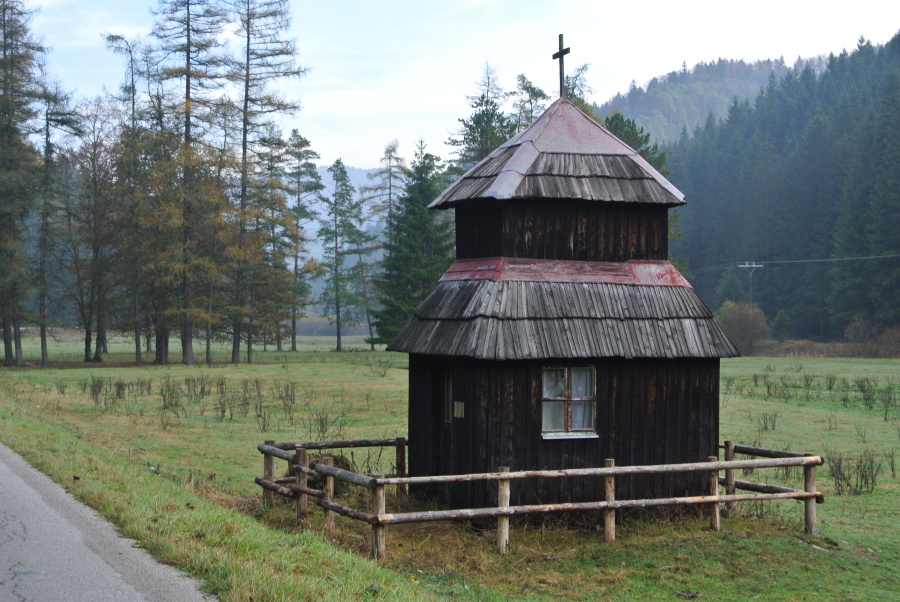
(387, 181)
(18, 161)
(265, 57)
(188, 32)
(272, 227)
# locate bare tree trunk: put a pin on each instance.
(250, 324)
(88, 340)
(42, 317)
(278, 335)
(365, 295)
(209, 310)
(17, 335)
(8, 354)
(162, 346)
(100, 342)
(138, 360)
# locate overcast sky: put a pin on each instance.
(401, 69)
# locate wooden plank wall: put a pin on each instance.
(565, 230)
(648, 412)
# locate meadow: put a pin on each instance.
(169, 454)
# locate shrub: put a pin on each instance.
(744, 324)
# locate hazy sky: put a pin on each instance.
(401, 69)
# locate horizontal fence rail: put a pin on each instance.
(296, 487)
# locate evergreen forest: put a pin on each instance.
(804, 181)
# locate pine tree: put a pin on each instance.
(884, 208)
(419, 247)
(128, 171)
(56, 116)
(340, 231)
(305, 188)
(529, 102)
(18, 92)
(629, 132)
(488, 127)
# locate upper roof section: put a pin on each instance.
(564, 154)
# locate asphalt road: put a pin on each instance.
(53, 547)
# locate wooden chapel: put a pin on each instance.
(562, 335)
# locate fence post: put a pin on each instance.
(729, 478)
(609, 514)
(502, 521)
(329, 496)
(269, 475)
(401, 461)
(302, 480)
(714, 523)
(378, 508)
(809, 485)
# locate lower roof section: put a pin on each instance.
(510, 309)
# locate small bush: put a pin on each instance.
(744, 324)
(854, 475)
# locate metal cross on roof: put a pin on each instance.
(562, 71)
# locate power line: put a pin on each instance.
(725, 266)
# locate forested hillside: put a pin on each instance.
(805, 179)
(685, 98)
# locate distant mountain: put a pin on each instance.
(685, 98)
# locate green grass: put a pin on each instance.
(199, 509)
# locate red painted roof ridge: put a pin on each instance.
(516, 269)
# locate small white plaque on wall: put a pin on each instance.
(459, 409)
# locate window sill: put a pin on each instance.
(569, 435)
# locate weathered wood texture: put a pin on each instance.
(648, 412)
(344, 443)
(490, 320)
(563, 155)
(490, 512)
(575, 231)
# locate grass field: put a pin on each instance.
(169, 454)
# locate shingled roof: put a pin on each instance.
(516, 309)
(564, 154)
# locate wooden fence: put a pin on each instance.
(295, 487)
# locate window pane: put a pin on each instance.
(582, 415)
(582, 382)
(554, 416)
(554, 382)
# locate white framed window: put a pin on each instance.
(568, 402)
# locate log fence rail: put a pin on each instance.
(296, 487)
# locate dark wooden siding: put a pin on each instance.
(565, 230)
(478, 226)
(648, 412)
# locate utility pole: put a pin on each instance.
(750, 267)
